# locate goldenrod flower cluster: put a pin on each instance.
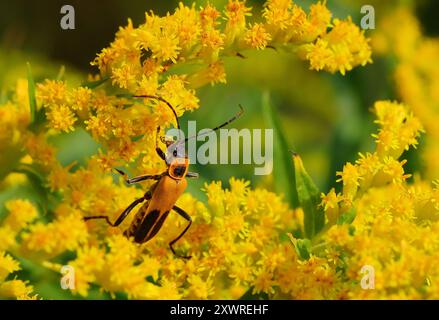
(395, 223)
(139, 56)
(20, 214)
(416, 75)
(146, 60)
(234, 242)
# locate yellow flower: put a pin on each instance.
(277, 13)
(351, 179)
(7, 265)
(21, 212)
(330, 205)
(235, 13)
(209, 16)
(81, 98)
(241, 271)
(257, 37)
(169, 290)
(340, 49)
(263, 282)
(65, 233)
(399, 129)
(15, 289)
(61, 118)
(165, 47)
(8, 238)
(124, 76)
(320, 17)
(200, 288)
(51, 93)
(12, 288)
(319, 54)
(187, 21)
(175, 92)
(415, 74)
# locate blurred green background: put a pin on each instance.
(325, 118)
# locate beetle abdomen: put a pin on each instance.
(145, 227)
(136, 221)
(144, 230)
(158, 225)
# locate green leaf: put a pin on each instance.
(37, 182)
(61, 73)
(309, 199)
(94, 84)
(3, 96)
(347, 217)
(31, 93)
(39, 121)
(126, 95)
(302, 246)
(30, 171)
(284, 174)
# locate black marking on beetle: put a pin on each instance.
(131, 230)
(158, 225)
(146, 225)
(179, 171)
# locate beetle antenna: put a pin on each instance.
(236, 116)
(167, 103)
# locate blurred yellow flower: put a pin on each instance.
(415, 74)
(12, 288)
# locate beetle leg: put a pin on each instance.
(139, 178)
(124, 213)
(182, 213)
(193, 175)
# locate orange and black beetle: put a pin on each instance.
(162, 196)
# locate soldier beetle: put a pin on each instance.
(160, 199)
